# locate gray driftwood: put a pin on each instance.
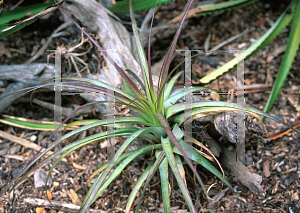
(113, 37)
(69, 207)
(25, 75)
(239, 170)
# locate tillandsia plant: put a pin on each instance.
(161, 122)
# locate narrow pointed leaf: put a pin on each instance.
(5, 17)
(138, 185)
(172, 110)
(138, 5)
(165, 68)
(142, 57)
(98, 183)
(172, 162)
(170, 85)
(149, 177)
(123, 164)
(288, 58)
(279, 25)
(223, 6)
(173, 99)
(164, 180)
(171, 135)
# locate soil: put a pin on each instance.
(276, 161)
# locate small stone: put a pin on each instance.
(17, 192)
(253, 41)
(55, 183)
(40, 177)
(33, 138)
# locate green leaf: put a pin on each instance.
(18, 13)
(136, 78)
(6, 30)
(123, 164)
(170, 86)
(204, 106)
(127, 88)
(172, 162)
(70, 134)
(63, 152)
(138, 185)
(101, 179)
(280, 24)
(223, 6)
(177, 132)
(164, 181)
(149, 177)
(143, 61)
(288, 58)
(138, 5)
(180, 118)
(49, 126)
(5, 17)
(171, 135)
(173, 99)
(180, 166)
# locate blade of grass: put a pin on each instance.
(138, 185)
(142, 57)
(138, 5)
(5, 17)
(279, 25)
(164, 180)
(149, 177)
(172, 162)
(224, 6)
(119, 169)
(288, 59)
(93, 191)
(18, 13)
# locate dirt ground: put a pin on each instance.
(276, 161)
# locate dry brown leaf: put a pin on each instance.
(295, 197)
(77, 166)
(40, 210)
(49, 195)
(74, 197)
(192, 13)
